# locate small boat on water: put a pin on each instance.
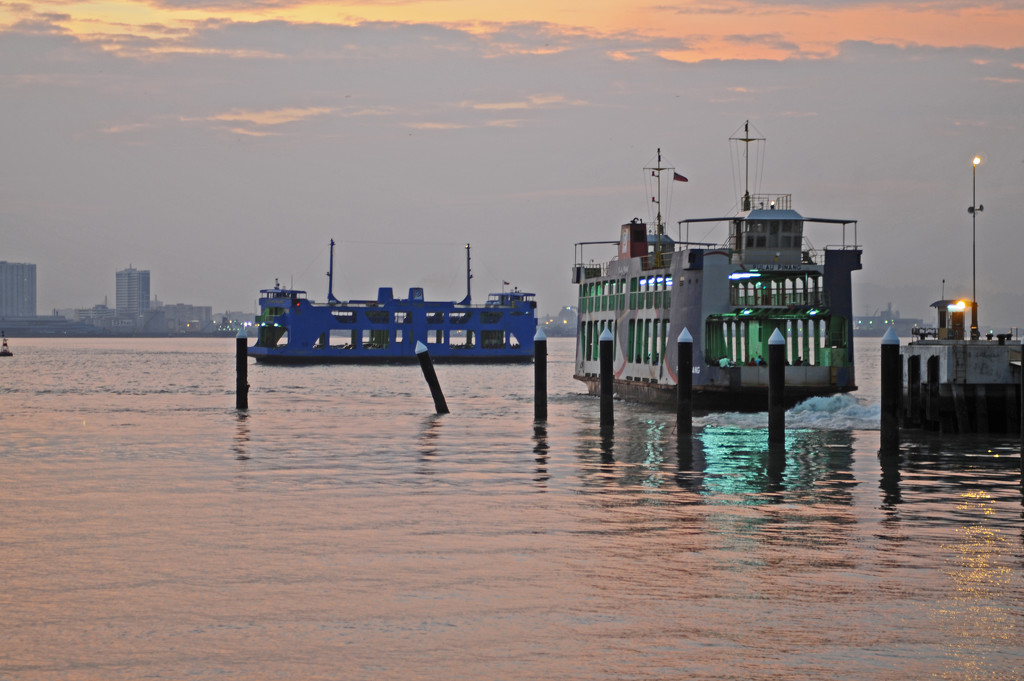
(296, 330)
(731, 295)
(5, 350)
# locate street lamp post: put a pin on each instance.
(974, 210)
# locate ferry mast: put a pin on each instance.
(746, 139)
(469, 278)
(656, 200)
(330, 278)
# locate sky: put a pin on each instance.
(222, 144)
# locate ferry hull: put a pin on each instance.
(313, 357)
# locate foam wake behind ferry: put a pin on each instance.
(730, 296)
(296, 330)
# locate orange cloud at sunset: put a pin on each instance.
(734, 30)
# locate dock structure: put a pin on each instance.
(953, 384)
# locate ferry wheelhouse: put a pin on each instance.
(730, 295)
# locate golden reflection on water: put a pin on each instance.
(975, 616)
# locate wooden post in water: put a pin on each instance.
(606, 350)
(684, 382)
(540, 376)
(776, 389)
(428, 373)
(241, 371)
(891, 388)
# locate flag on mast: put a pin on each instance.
(678, 178)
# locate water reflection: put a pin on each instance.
(975, 615)
(429, 433)
(889, 482)
(634, 454)
(540, 451)
(740, 466)
(689, 462)
(241, 442)
(725, 464)
(607, 442)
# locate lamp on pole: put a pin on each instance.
(974, 210)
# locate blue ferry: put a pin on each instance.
(295, 330)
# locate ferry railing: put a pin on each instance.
(585, 270)
(650, 261)
(771, 201)
(761, 298)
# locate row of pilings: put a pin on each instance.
(891, 387)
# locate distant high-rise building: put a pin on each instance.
(17, 289)
(132, 292)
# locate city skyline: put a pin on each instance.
(224, 144)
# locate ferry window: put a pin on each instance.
(654, 342)
(375, 339)
(345, 317)
(630, 340)
(773, 227)
(435, 318)
(342, 339)
(664, 338)
(647, 341)
(492, 339)
(402, 318)
(632, 284)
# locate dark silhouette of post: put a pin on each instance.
(241, 371)
(684, 382)
(891, 388)
(776, 389)
(428, 373)
(605, 350)
(540, 376)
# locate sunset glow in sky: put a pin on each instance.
(705, 30)
(185, 137)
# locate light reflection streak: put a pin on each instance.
(975, 614)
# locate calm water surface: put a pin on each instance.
(340, 530)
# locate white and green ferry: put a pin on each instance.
(765, 274)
